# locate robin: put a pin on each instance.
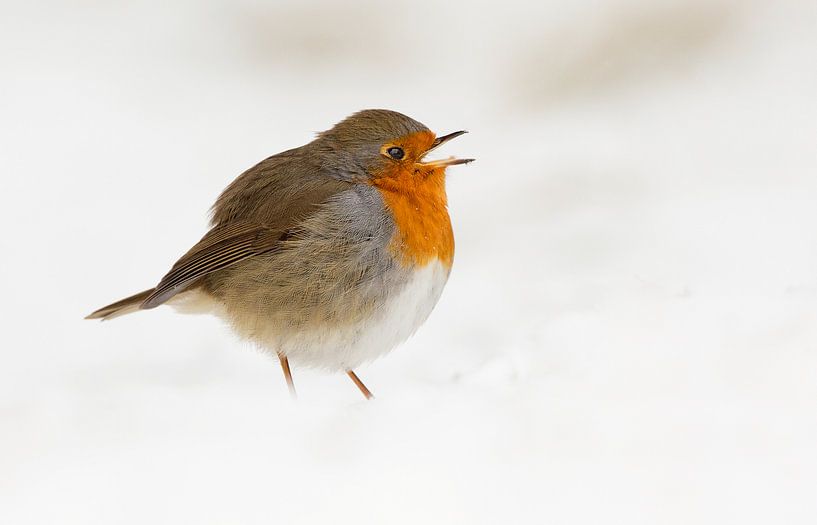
(329, 254)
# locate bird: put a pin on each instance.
(328, 255)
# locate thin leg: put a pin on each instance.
(287, 375)
(359, 384)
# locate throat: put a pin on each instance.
(419, 208)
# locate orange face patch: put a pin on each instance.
(415, 195)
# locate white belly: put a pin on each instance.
(344, 347)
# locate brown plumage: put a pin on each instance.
(329, 254)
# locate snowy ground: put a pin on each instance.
(629, 334)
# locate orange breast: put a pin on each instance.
(418, 203)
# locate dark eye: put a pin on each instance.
(396, 153)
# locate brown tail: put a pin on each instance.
(125, 306)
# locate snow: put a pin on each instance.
(629, 334)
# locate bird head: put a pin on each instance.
(378, 144)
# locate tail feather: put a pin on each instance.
(125, 306)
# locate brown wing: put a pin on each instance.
(223, 246)
(277, 189)
(251, 217)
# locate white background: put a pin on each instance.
(629, 334)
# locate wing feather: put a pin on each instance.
(223, 246)
(252, 216)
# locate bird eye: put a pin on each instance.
(396, 153)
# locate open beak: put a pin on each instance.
(451, 161)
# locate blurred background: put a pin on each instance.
(629, 334)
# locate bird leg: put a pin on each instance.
(288, 375)
(360, 385)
